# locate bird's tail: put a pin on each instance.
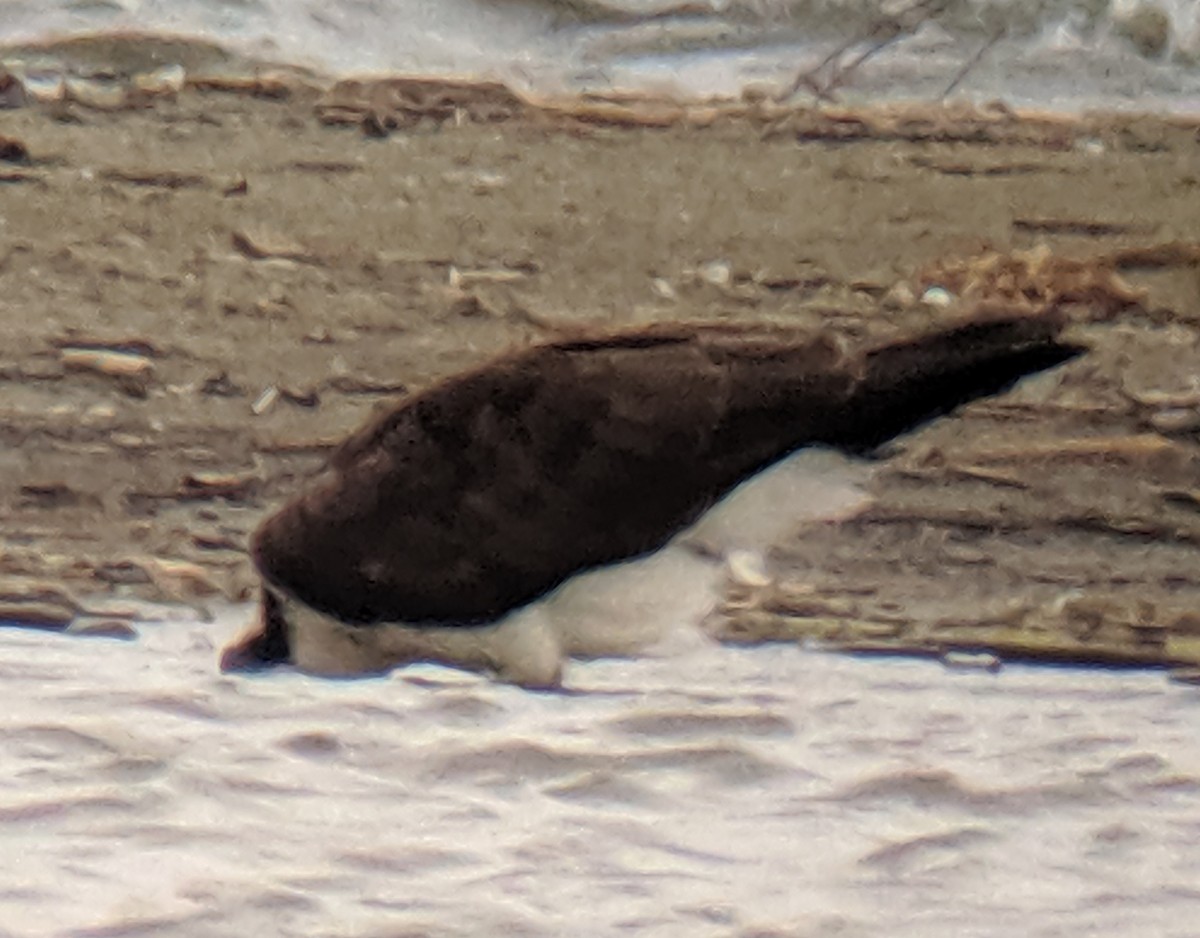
(904, 384)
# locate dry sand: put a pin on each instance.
(202, 294)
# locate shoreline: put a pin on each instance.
(206, 291)
(111, 69)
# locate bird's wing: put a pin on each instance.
(494, 486)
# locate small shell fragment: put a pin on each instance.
(181, 580)
(218, 484)
(938, 297)
(747, 568)
(131, 371)
(107, 362)
(462, 279)
(718, 273)
(97, 94)
(662, 289)
(265, 401)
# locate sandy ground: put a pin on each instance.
(202, 295)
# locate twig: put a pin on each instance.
(882, 33)
(972, 62)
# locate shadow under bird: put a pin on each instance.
(444, 529)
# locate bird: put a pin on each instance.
(469, 524)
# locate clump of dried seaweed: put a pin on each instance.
(1035, 280)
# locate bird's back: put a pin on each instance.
(492, 487)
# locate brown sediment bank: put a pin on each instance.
(204, 290)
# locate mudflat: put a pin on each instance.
(204, 292)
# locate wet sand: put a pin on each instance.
(203, 294)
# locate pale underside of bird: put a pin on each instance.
(585, 497)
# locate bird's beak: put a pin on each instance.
(240, 656)
(265, 644)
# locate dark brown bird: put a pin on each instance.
(490, 489)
